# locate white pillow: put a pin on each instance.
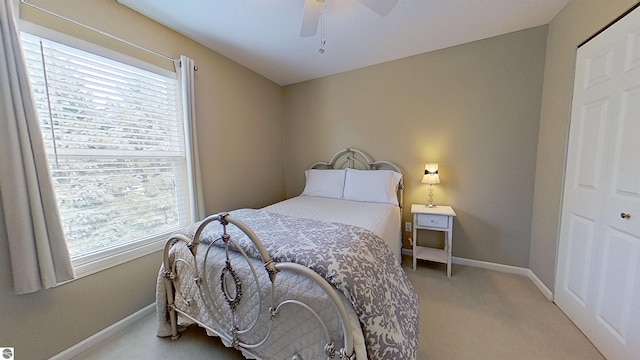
(324, 183)
(379, 186)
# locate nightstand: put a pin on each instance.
(438, 218)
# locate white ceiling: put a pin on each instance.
(264, 35)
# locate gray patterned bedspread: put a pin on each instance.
(352, 259)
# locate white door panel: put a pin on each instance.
(591, 143)
(597, 275)
(616, 282)
(577, 274)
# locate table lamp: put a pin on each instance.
(431, 177)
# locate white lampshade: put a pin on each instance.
(431, 174)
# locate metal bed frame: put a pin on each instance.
(230, 285)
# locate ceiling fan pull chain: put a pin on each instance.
(323, 41)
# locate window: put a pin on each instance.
(115, 141)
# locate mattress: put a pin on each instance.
(382, 219)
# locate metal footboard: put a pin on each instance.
(230, 286)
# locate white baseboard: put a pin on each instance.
(507, 269)
(499, 267)
(540, 285)
(93, 340)
(490, 266)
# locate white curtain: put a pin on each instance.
(38, 251)
(186, 75)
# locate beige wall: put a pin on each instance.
(574, 24)
(473, 108)
(239, 120)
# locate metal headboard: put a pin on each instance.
(357, 159)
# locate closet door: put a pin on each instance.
(598, 270)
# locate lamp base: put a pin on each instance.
(430, 202)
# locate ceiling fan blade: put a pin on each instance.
(310, 17)
(382, 7)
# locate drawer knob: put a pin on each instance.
(625, 216)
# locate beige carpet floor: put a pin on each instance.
(475, 314)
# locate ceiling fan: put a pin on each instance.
(313, 11)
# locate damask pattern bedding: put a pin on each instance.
(354, 260)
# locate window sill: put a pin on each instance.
(119, 258)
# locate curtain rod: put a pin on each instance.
(25, 2)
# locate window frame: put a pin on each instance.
(94, 262)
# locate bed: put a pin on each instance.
(316, 276)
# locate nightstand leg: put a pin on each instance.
(413, 241)
(448, 246)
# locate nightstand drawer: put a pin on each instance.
(439, 221)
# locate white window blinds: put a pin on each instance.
(115, 141)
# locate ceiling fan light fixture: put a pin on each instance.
(312, 13)
(381, 7)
